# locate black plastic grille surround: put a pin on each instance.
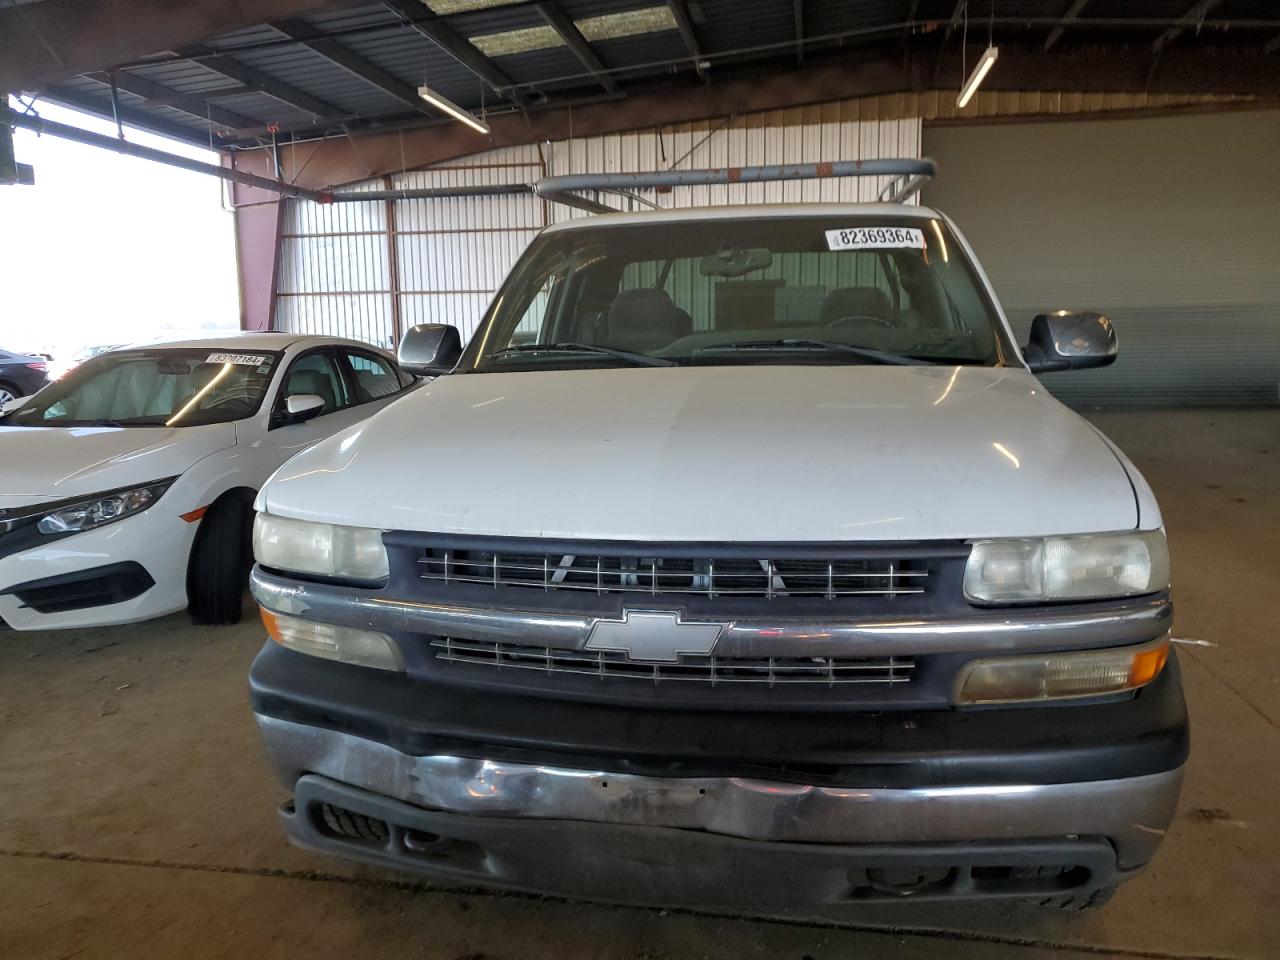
(605, 580)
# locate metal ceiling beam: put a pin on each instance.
(956, 14)
(1192, 18)
(105, 142)
(684, 23)
(442, 35)
(1072, 13)
(576, 42)
(255, 79)
(372, 74)
(797, 10)
(1093, 70)
(196, 106)
(908, 27)
(41, 43)
(134, 118)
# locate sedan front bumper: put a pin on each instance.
(156, 540)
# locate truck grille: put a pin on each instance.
(678, 576)
(767, 671)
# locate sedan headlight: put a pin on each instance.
(1088, 567)
(322, 549)
(75, 516)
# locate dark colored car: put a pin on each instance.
(21, 375)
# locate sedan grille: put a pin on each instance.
(679, 576)
(605, 664)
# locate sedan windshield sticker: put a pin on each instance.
(875, 238)
(240, 359)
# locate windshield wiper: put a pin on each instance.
(109, 422)
(635, 359)
(831, 346)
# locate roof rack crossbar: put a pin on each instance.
(909, 176)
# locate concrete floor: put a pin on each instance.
(137, 813)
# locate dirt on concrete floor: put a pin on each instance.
(137, 811)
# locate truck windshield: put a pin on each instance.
(814, 290)
(149, 388)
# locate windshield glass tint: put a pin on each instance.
(778, 290)
(176, 388)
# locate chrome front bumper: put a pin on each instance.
(1131, 814)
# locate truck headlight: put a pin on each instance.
(323, 549)
(1087, 567)
(101, 508)
(364, 648)
(1057, 676)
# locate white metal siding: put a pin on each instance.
(1167, 224)
(335, 270)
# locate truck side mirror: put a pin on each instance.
(430, 349)
(1067, 340)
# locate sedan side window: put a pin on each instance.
(373, 376)
(316, 374)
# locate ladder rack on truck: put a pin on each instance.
(909, 175)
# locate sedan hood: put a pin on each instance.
(52, 463)
(764, 453)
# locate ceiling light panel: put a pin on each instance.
(629, 23)
(609, 26)
(446, 7)
(517, 41)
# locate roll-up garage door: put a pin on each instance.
(1170, 225)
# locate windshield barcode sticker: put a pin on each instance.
(875, 238)
(240, 359)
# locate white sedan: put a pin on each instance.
(126, 488)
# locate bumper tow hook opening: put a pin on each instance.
(348, 825)
(904, 883)
(419, 841)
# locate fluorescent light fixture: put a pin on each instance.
(452, 109)
(980, 71)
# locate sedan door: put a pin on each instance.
(353, 384)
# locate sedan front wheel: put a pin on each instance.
(220, 562)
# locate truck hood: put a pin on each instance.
(38, 464)
(765, 453)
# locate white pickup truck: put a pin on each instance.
(740, 559)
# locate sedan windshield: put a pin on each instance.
(158, 387)
(888, 289)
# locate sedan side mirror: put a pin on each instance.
(1070, 341)
(302, 406)
(430, 349)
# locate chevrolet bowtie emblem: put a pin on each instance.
(654, 635)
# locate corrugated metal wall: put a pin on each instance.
(452, 254)
(337, 273)
(1167, 224)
